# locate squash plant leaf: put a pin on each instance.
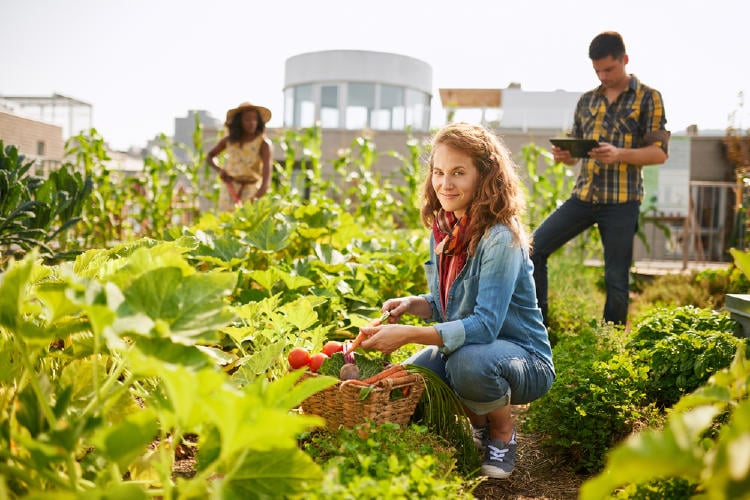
(175, 353)
(126, 440)
(729, 472)
(191, 306)
(675, 451)
(13, 291)
(741, 260)
(295, 282)
(225, 250)
(270, 235)
(265, 278)
(300, 313)
(261, 360)
(289, 392)
(278, 473)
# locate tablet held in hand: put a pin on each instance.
(579, 148)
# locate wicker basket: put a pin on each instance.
(341, 405)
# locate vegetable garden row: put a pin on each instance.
(124, 339)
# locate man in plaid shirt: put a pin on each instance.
(627, 119)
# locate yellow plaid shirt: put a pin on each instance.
(636, 119)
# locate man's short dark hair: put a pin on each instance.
(606, 44)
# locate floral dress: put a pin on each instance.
(244, 163)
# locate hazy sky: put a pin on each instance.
(141, 63)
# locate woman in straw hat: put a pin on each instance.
(247, 156)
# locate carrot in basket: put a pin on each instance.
(361, 337)
(391, 371)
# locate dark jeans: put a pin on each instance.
(617, 225)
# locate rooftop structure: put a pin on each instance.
(71, 114)
(355, 90)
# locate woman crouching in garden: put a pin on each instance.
(487, 339)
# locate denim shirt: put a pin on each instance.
(493, 297)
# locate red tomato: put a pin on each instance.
(316, 360)
(298, 357)
(332, 347)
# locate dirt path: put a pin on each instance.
(538, 474)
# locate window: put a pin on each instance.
(299, 106)
(417, 109)
(289, 107)
(390, 112)
(305, 106)
(40, 148)
(329, 106)
(359, 104)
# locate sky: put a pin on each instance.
(142, 63)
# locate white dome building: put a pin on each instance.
(357, 90)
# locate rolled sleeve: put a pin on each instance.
(453, 335)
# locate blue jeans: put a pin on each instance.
(487, 377)
(617, 225)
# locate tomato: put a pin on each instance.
(332, 347)
(316, 360)
(298, 357)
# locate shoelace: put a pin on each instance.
(497, 454)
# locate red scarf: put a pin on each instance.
(452, 248)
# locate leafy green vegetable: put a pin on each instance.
(368, 366)
(332, 365)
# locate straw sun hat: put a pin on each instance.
(265, 113)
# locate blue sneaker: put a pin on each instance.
(499, 458)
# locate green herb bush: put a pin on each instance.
(597, 399)
(386, 462)
(681, 348)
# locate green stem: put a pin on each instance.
(46, 409)
(111, 379)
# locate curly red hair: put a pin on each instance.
(499, 197)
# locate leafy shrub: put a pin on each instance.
(681, 348)
(596, 400)
(385, 462)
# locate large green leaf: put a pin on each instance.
(270, 474)
(270, 235)
(190, 305)
(225, 250)
(741, 260)
(729, 475)
(300, 313)
(675, 451)
(128, 439)
(175, 353)
(13, 291)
